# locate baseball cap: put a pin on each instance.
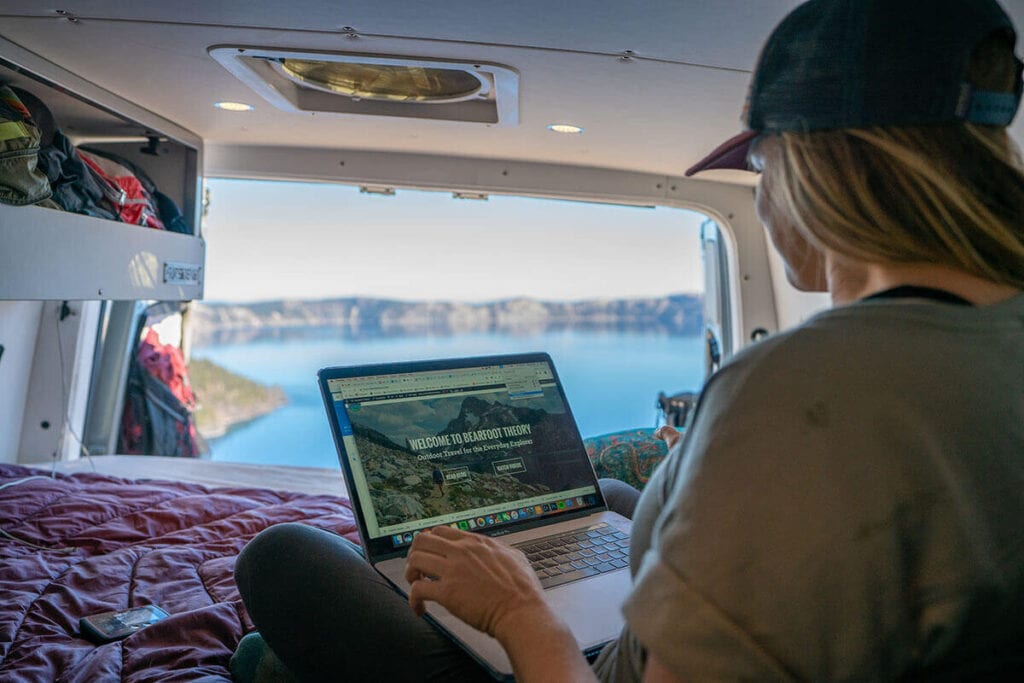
(858, 63)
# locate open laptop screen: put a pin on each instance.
(472, 443)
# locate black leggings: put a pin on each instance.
(329, 616)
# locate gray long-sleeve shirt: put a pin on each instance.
(847, 505)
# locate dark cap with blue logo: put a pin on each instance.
(836, 64)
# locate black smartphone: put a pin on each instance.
(108, 626)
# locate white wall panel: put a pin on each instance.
(19, 324)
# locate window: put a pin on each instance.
(304, 276)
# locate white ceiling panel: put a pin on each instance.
(634, 113)
(725, 33)
(656, 113)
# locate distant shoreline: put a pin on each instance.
(359, 317)
(226, 428)
(225, 400)
(228, 401)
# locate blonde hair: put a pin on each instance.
(949, 194)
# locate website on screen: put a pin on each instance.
(468, 447)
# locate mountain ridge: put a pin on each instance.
(674, 314)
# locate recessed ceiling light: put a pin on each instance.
(565, 128)
(233, 106)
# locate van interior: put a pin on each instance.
(589, 102)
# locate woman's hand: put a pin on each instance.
(483, 582)
(491, 587)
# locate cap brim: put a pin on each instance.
(731, 154)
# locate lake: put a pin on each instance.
(611, 379)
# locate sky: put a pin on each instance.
(282, 240)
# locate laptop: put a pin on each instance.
(488, 445)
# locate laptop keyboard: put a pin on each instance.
(576, 555)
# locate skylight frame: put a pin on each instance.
(497, 103)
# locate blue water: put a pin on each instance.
(611, 380)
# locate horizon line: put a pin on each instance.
(481, 302)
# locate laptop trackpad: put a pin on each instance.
(592, 607)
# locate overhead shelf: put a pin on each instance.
(49, 254)
(46, 254)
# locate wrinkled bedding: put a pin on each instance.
(130, 543)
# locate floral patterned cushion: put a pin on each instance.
(628, 456)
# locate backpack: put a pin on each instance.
(166, 208)
(134, 205)
(158, 407)
(21, 181)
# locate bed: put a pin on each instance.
(136, 531)
(113, 532)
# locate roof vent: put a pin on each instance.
(376, 85)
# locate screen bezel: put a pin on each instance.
(382, 548)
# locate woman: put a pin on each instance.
(849, 500)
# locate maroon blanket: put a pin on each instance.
(132, 543)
